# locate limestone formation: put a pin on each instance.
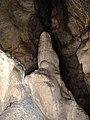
(79, 23)
(71, 27)
(46, 86)
(15, 98)
(39, 96)
(31, 73)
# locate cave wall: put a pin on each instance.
(68, 23)
(41, 95)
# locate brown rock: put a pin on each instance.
(14, 33)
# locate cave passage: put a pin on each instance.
(23, 21)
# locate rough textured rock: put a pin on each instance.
(21, 23)
(47, 96)
(84, 58)
(25, 109)
(38, 96)
(46, 86)
(16, 102)
(79, 11)
(70, 24)
(11, 76)
(79, 24)
(6, 67)
(19, 31)
(48, 59)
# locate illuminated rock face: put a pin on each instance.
(6, 67)
(21, 24)
(39, 96)
(11, 78)
(15, 97)
(47, 87)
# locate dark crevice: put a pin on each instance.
(73, 76)
(10, 104)
(70, 68)
(65, 16)
(43, 8)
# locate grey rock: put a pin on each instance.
(23, 110)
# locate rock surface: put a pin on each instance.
(11, 76)
(79, 24)
(84, 58)
(71, 27)
(19, 31)
(21, 23)
(16, 102)
(37, 96)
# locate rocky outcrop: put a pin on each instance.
(15, 98)
(11, 76)
(39, 96)
(68, 22)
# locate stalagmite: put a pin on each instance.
(36, 66)
(46, 84)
